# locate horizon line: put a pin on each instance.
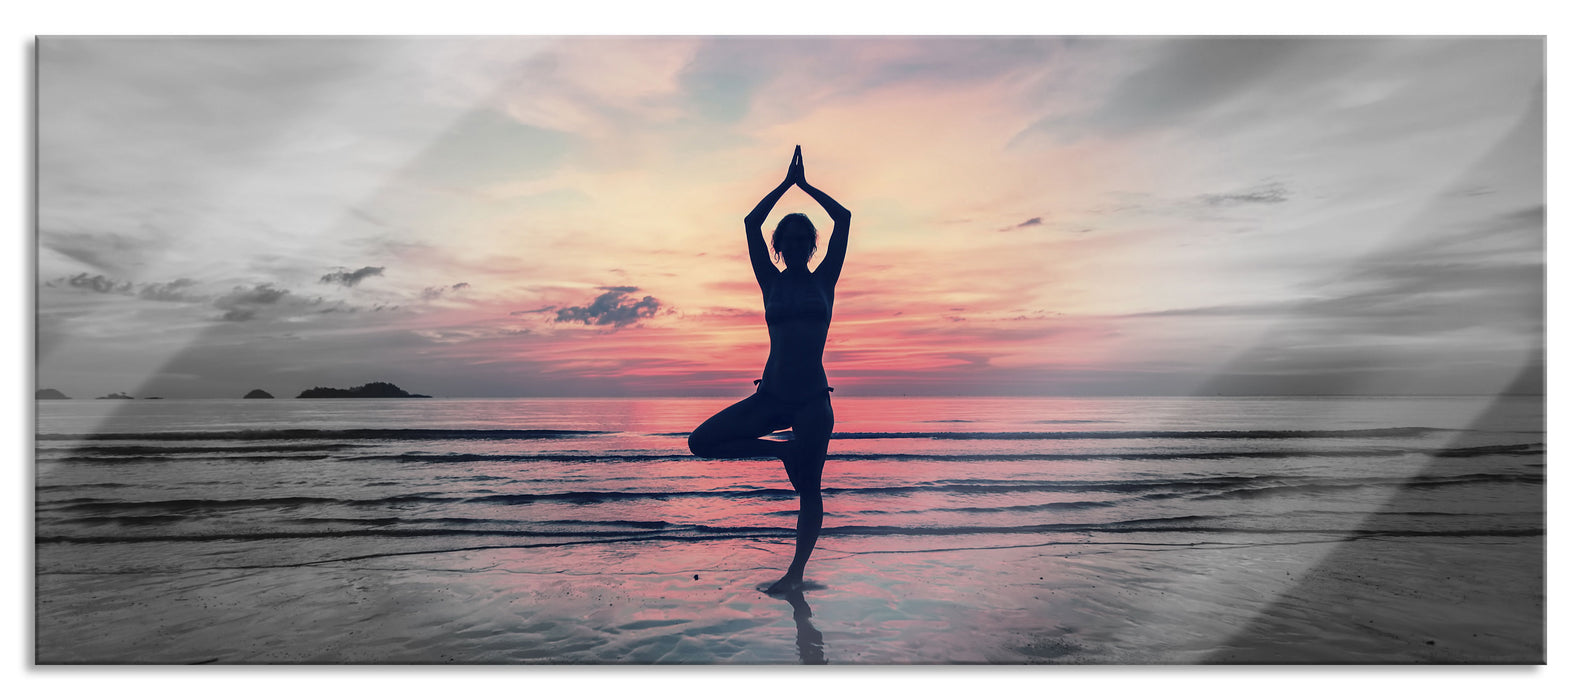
(863, 396)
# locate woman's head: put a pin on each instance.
(794, 239)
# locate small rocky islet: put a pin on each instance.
(372, 390)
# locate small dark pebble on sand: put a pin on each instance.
(694, 577)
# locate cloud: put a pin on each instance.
(173, 290)
(972, 359)
(1035, 221)
(104, 251)
(1190, 76)
(97, 283)
(1274, 309)
(244, 303)
(610, 309)
(350, 279)
(180, 290)
(431, 293)
(726, 76)
(1272, 193)
(539, 310)
(1385, 298)
(167, 291)
(265, 293)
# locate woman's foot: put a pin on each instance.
(788, 584)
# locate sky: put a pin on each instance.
(550, 216)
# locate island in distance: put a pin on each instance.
(49, 394)
(372, 390)
(258, 394)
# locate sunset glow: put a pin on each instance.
(562, 216)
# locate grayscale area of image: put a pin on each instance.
(1168, 350)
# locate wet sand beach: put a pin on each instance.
(1119, 532)
(641, 604)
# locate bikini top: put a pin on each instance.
(795, 300)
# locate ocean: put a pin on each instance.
(156, 492)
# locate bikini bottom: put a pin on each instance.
(782, 411)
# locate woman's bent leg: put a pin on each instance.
(735, 431)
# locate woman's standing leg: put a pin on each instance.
(812, 425)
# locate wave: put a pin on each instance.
(266, 454)
(1477, 451)
(161, 450)
(1032, 508)
(1185, 524)
(46, 488)
(869, 456)
(1145, 434)
(193, 505)
(1124, 434)
(404, 434)
(1421, 482)
(1520, 449)
(1206, 487)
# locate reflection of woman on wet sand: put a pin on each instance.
(793, 391)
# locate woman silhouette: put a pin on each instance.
(793, 392)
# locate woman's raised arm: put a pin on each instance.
(757, 251)
(835, 254)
